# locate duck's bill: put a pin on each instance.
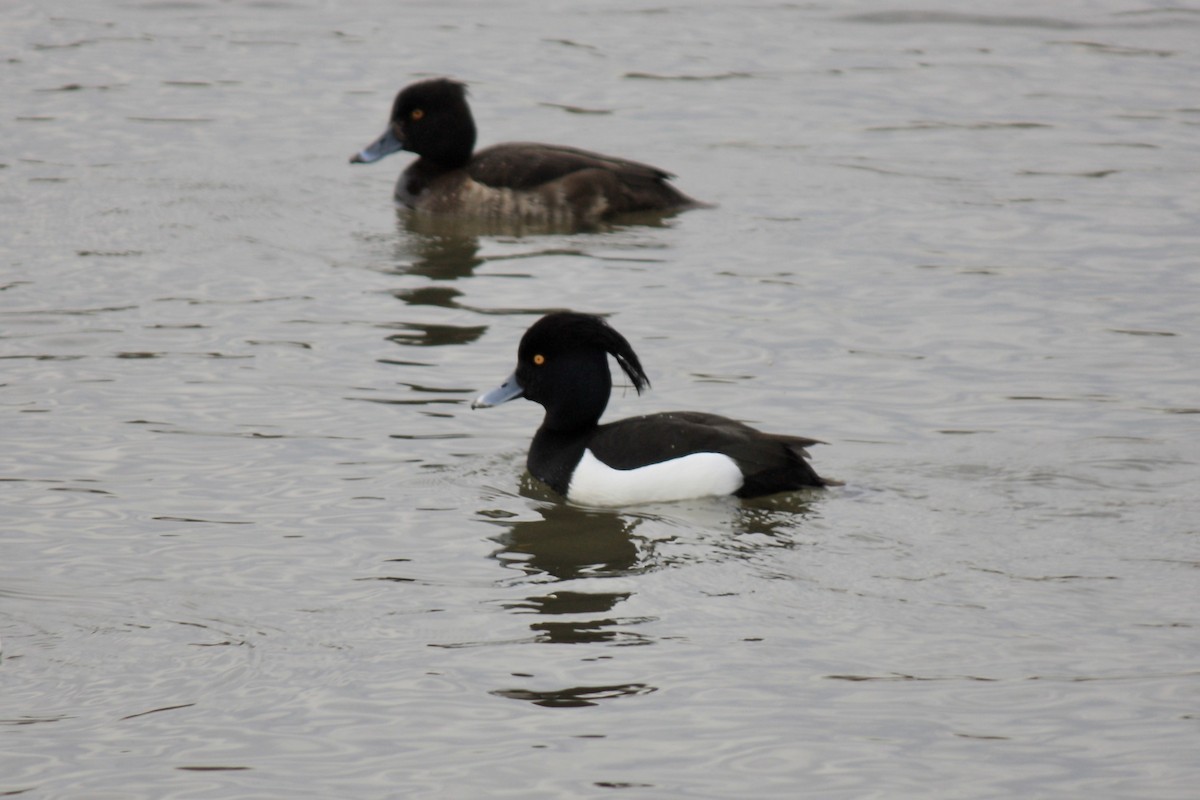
(383, 146)
(509, 390)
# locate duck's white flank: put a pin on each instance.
(594, 483)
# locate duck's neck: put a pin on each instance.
(554, 454)
(453, 149)
(578, 402)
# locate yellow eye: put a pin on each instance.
(539, 359)
(416, 114)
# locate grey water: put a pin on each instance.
(255, 544)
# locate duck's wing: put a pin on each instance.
(769, 462)
(528, 165)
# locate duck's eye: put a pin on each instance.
(539, 359)
(416, 114)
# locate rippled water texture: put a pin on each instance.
(255, 544)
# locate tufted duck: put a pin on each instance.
(562, 363)
(518, 181)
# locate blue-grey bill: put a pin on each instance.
(383, 146)
(509, 390)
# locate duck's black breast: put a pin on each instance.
(554, 455)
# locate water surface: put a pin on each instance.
(255, 544)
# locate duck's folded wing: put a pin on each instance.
(638, 441)
(528, 165)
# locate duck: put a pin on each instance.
(517, 181)
(562, 364)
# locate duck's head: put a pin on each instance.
(562, 364)
(430, 118)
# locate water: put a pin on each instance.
(255, 544)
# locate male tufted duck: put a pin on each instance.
(518, 181)
(562, 363)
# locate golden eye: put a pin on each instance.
(416, 114)
(539, 359)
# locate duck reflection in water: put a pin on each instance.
(448, 249)
(571, 542)
(567, 544)
(442, 253)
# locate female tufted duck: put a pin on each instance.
(562, 363)
(518, 181)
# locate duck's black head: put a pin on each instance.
(562, 363)
(432, 119)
